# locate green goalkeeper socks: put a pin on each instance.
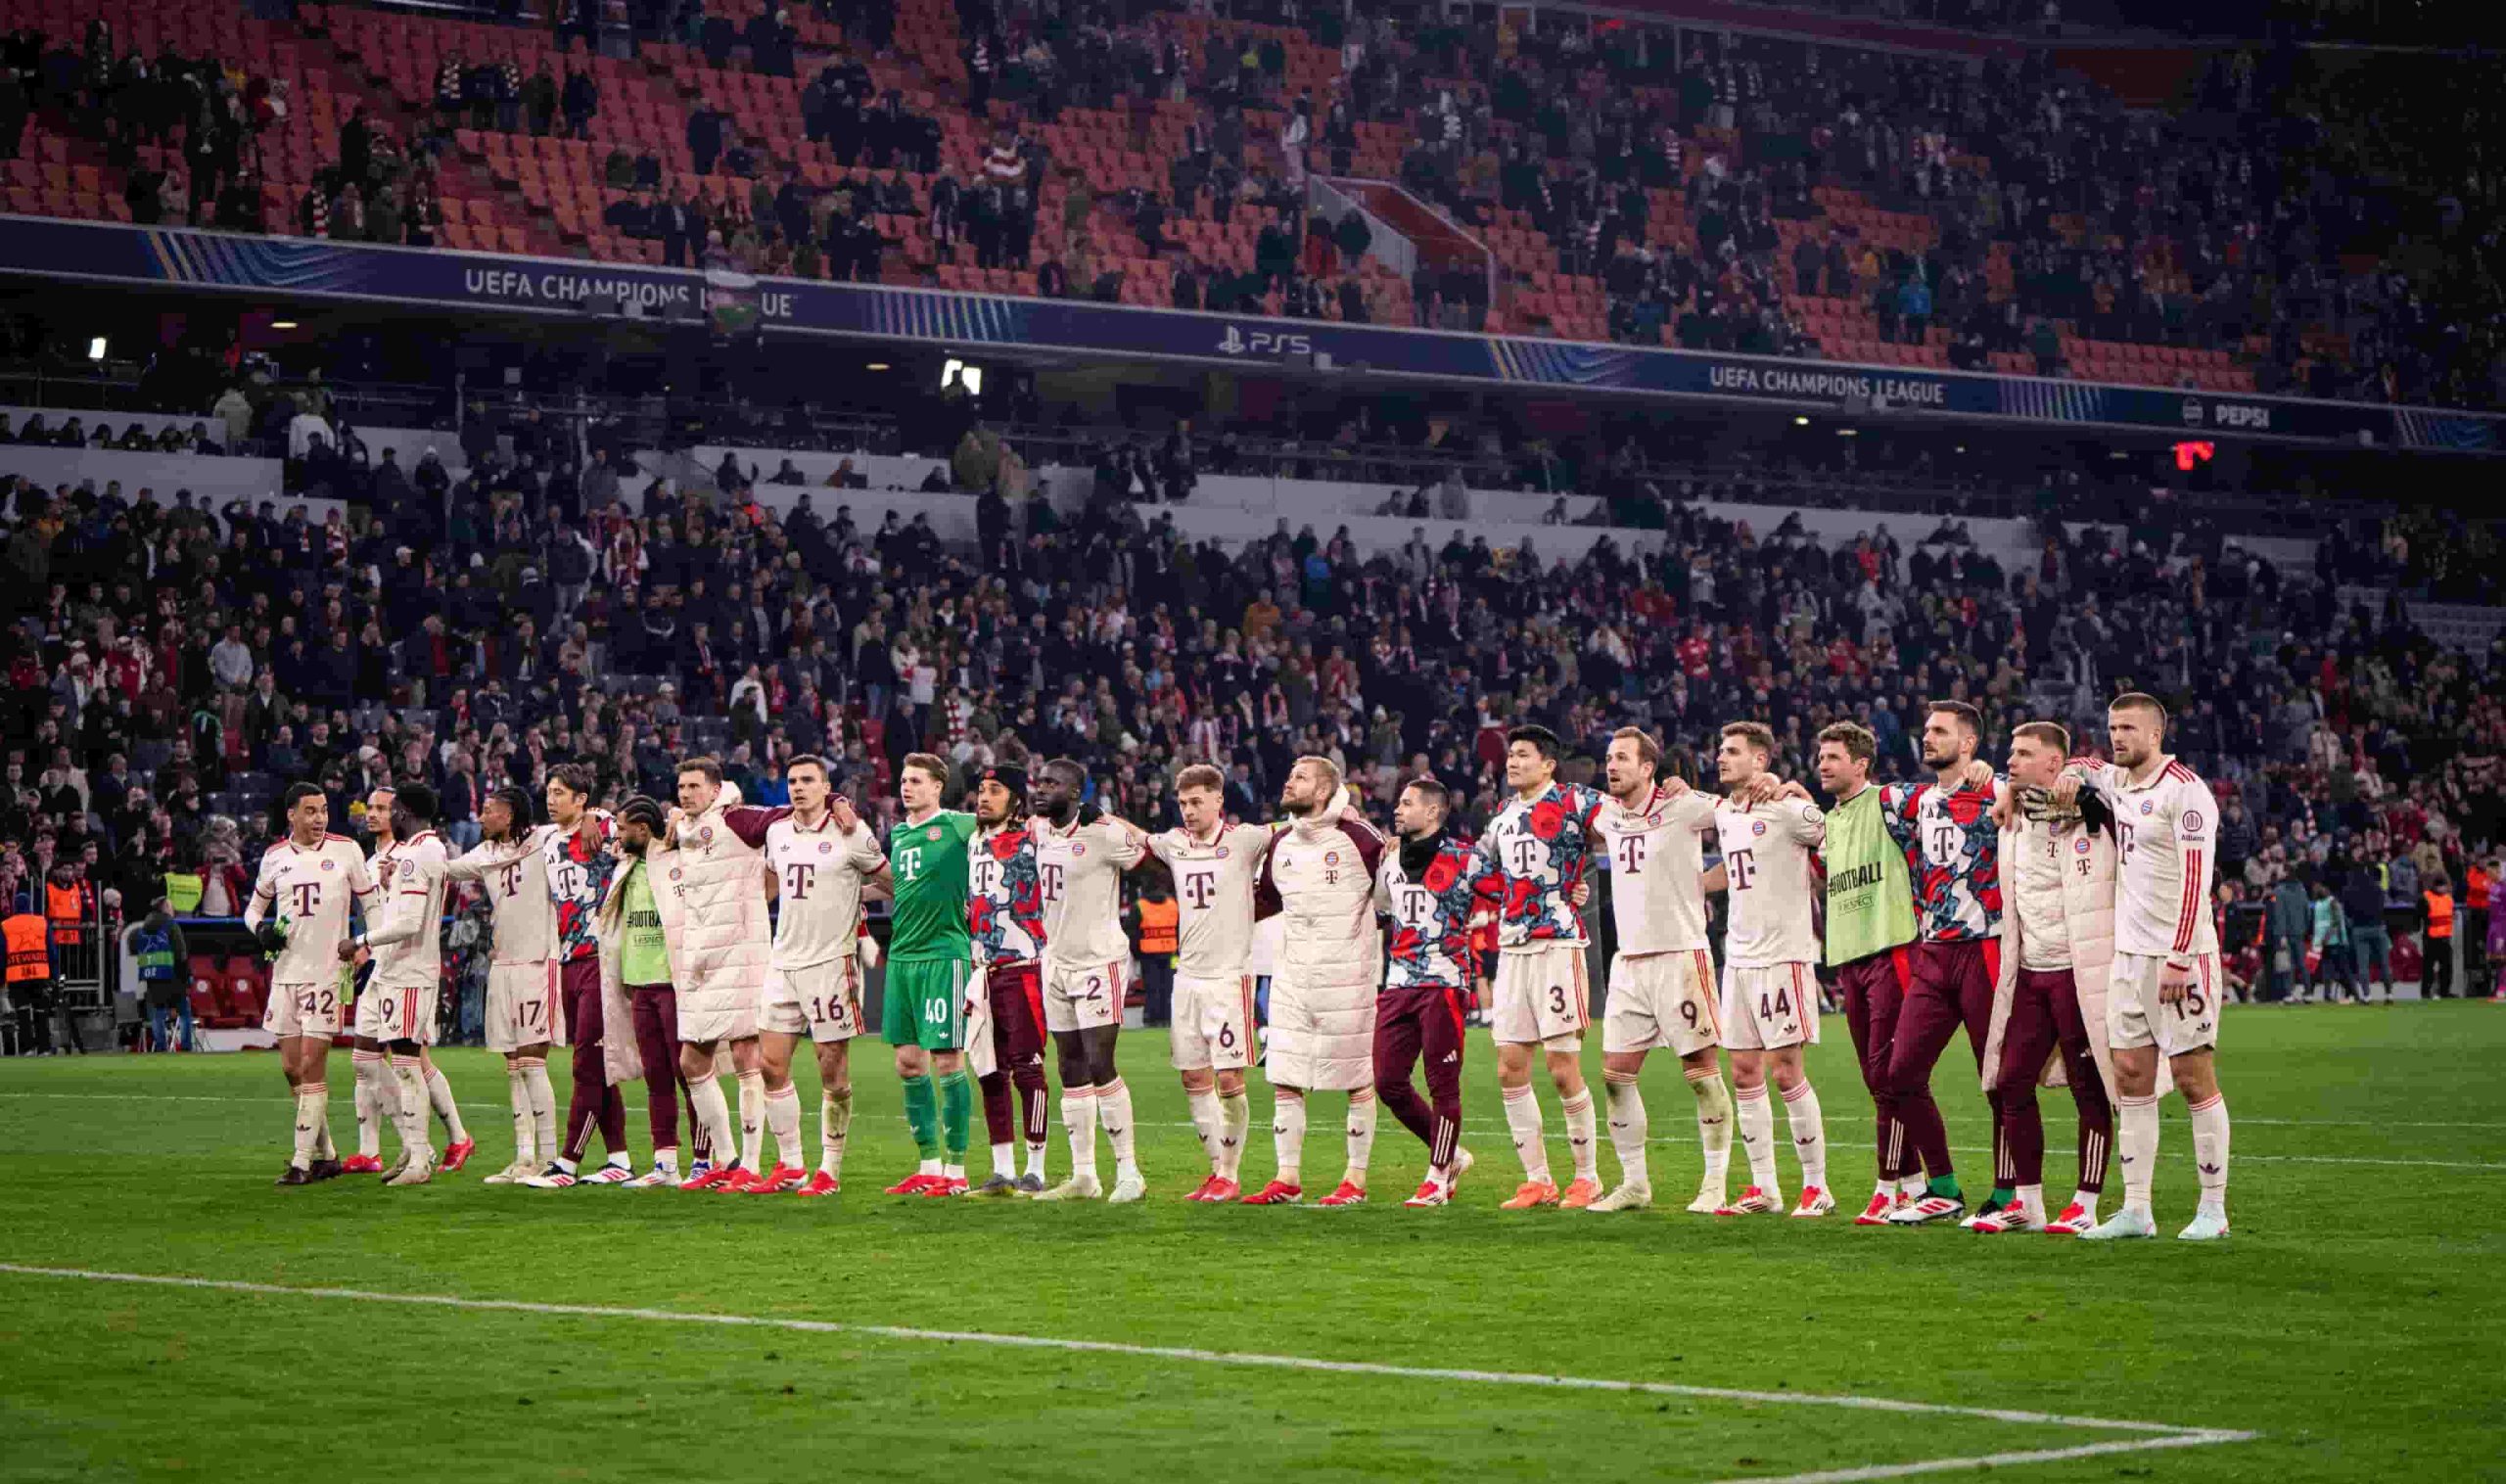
(922, 1116)
(956, 1110)
(1943, 1186)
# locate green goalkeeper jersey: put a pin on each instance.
(929, 863)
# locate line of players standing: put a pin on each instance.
(2057, 915)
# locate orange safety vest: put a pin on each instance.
(29, 957)
(1157, 923)
(2440, 913)
(2476, 898)
(66, 905)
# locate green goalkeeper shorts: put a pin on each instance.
(925, 1003)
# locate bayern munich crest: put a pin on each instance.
(1077, 847)
(1757, 826)
(674, 873)
(330, 866)
(825, 846)
(2081, 845)
(706, 834)
(1331, 857)
(1222, 853)
(2149, 805)
(932, 833)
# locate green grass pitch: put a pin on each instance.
(2350, 1325)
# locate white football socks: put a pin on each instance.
(1523, 1118)
(1114, 1113)
(1004, 1161)
(2031, 1199)
(374, 1096)
(835, 1120)
(440, 1097)
(1581, 1135)
(409, 1114)
(1757, 1135)
(526, 1146)
(751, 1118)
(1713, 1122)
(712, 1116)
(1809, 1133)
(783, 1121)
(543, 1104)
(1628, 1126)
(1236, 1122)
(2210, 1147)
(1288, 1135)
(1362, 1115)
(312, 1110)
(1079, 1119)
(2136, 1145)
(1205, 1120)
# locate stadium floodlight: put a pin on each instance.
(876, 365)
(96, 349)
(1800, 422)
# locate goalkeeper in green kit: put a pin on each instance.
(930, 958)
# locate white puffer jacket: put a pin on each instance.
(2088, 913)
(1320, 873)
(711, 890)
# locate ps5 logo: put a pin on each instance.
(1264, 343)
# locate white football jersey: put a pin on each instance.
(1081, 870)
(817, 882)
(2166, 830)
(408, 947)
(1657, 870)
(310, 889)
(1213, 896)
(515, 876)
(1770, 853)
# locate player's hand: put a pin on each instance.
(1675, 787)
(348, 950)
(1761, 789)
(1979, 774)
(2067, 789)
(1581, 893)
(840, 809)
(2174, 983)
(1793, 789)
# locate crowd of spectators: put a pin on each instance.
(168, 666)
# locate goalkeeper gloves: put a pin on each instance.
(2038, 805)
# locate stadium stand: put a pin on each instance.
(1637, 180)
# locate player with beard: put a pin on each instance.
(576, 857)
(376, 1093)
(299, 914)
(1424, 887)
(2167, 993)
(636, 993)
(398, 1010)
(1661, 982)
(1005, 1003)
(1953, 855)
(2049, 1006)
(1319, 874)
(524, 1015)
(1081, 854)
(713, 907)
(823, 859)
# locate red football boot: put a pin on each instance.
(774, 1181)
(360, 1163)
(1275, 1193)
(1345, 1194)
(820, 1183)
(943, 1187)
(912, 1185)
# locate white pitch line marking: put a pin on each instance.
(2147, 1435)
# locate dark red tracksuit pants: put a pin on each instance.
(655, 1011)
(1952, 986)
(1410, 1022)
(592, 1098)
(2044, 1013)
(1017, 998)
(1874, 989)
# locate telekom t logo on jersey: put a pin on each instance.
(308, 896)
(1631, 854)
(796, 878)
(1523, 848)
(1199, 887)
(511, 876)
